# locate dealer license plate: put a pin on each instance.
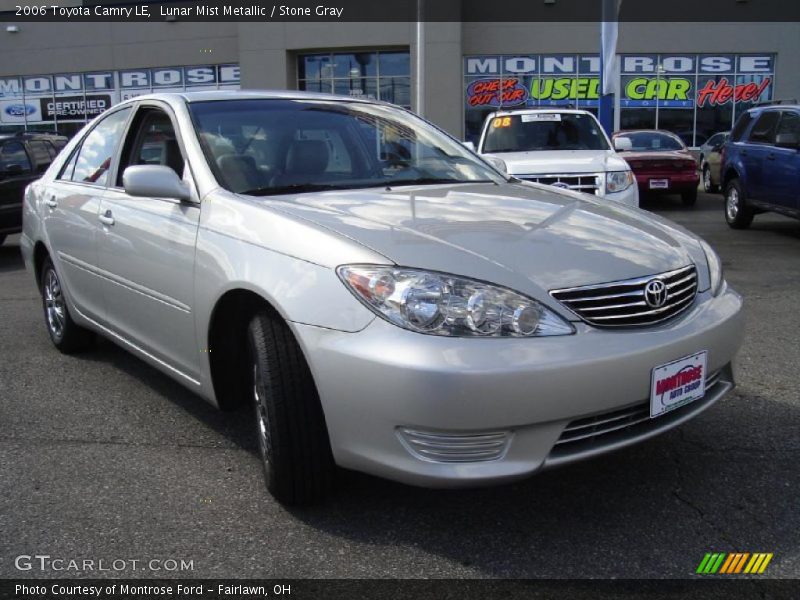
(659, 184)
(677, 383)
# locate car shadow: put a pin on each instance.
(235, 425)
(666, 203)
(10, 257)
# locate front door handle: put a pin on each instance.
(107, 218)
(52, 203)
(770, 156)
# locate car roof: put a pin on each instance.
(664, 131)
(221, 95)
(774, 107)
(530, 111)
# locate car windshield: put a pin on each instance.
(653, 141)
(274, 146)
(543, 131)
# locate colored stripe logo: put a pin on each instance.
(734, 563)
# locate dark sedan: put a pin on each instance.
(23, 159)
(661, 163)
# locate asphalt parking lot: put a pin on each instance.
(103, 457)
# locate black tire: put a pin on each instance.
(68, 337)
(708, 185)
(689, 198)
(737, 212)
(290, 425)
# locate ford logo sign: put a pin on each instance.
(20, 110)
(561, 185)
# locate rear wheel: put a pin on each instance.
(737, 213)
(290, 426)
(708, 184)
(689, 198)
(64, 333)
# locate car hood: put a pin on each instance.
(561, 162)
(525, 236)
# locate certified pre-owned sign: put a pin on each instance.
(74, 107)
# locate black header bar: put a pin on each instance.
(298, 11)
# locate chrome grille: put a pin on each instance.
(624, 303)
(588, 183)
(599, 430)
(455, 447)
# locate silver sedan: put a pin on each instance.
(383, 298)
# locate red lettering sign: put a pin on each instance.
(720, 92)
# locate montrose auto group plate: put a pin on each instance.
(678, 383)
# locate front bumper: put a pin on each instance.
(383, 382)
(678, 182)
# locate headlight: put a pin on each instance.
(714, 268)
(442, 304)
(616, 181)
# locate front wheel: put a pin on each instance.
(737, 213)
(290, 425)
(64, 333)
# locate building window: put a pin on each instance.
(379, 75)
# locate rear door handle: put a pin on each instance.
(107, 218)
(51, 202)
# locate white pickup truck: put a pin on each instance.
(566, 148)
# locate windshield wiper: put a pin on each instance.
(295, 188)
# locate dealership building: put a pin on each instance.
(690, 78)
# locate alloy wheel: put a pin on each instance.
(54, 304)
(732, 204)
(707, 179)
(262, 416)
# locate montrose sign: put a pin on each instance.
(81, 96)
(679, 81)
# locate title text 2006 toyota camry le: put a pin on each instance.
(386, 300)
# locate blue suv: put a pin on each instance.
(761, 164)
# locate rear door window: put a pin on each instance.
(41, 154)
(97, 151)
(790, 123)
(13, 156)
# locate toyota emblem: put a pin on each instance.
(655, 293)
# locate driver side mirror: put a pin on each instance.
(154, 181)
(469, 145)
(623, 144)
(787, 140)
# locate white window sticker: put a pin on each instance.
(541, 117)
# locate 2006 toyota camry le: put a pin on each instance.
(386, 300)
